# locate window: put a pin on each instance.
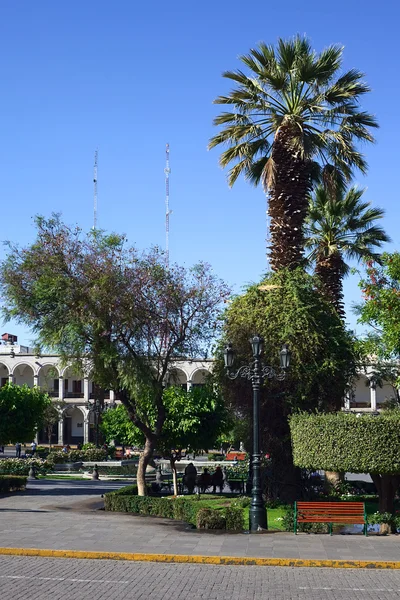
(56, 385)
(77, 386)
(4, 381)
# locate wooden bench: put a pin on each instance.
(330, 512)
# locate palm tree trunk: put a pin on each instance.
(289, 187)
(330, 272)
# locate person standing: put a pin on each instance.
(190, 477)
(33, 448)
(18, 450)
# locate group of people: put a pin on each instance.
(18, 449)
(203, 481)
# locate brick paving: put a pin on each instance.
(60, 579)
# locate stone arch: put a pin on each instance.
(73, 424)
(73, 382)
(23, 374)
(48, 374)
(4, 374)
(199, 376)
(178, 377)
(361, 392)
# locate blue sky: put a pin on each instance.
(127, 77)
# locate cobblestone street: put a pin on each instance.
(60, 579)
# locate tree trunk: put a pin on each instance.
(172, 462)
(144, 461)
(333, 479)
(329, 269)
(387, 486)
(289, 186)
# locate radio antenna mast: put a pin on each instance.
(167, 172)
(95, 191)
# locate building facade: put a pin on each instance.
(19, 365)
(72, 393)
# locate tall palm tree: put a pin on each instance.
(341, 227)
(293, 120)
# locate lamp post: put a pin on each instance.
(97, 407)
(256, 372)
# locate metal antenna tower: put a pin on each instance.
(95, 191)
(167, 171)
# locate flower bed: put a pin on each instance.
(21, 466)
(73, 456)
(190, 509)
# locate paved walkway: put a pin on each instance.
(68, 579)
(65, 516)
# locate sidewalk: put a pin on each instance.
(58, 515)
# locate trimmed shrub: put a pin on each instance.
(347, 442)
(209, 518)
(169, 507)
(234, 518)
(12, 483)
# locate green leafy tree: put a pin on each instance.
(21, 412)
(295, 118)
(351, 443)
(116, 425)
(340, 226)
(114, 311)
(381, 307)
(287, 308)
(51, 416)
(194, 420)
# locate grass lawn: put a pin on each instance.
(215, 501)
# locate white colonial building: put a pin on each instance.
(20, 365)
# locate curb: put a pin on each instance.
(202, 559)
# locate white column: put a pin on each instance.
(372, 390)
(11, 379)
(189, 385)
(112, 396)
(61, 432)
(36, 381)
(86, 430)
(86, 389)
(347, 401)
(61, 388)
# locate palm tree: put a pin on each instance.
(341, 227)
(293, 121)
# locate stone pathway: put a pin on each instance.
(64, 515)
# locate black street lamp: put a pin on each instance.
(97, 407)
(256, 372)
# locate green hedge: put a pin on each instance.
(12, 483)
(347, 442)
(168, 507)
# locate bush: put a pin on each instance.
(21, 466)
(88, 446)
(241, 502)
(208, 518)
(12, 483)
(90, 455)
(347, 442)
(234, 518)
(169, 507)
(215, 456)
